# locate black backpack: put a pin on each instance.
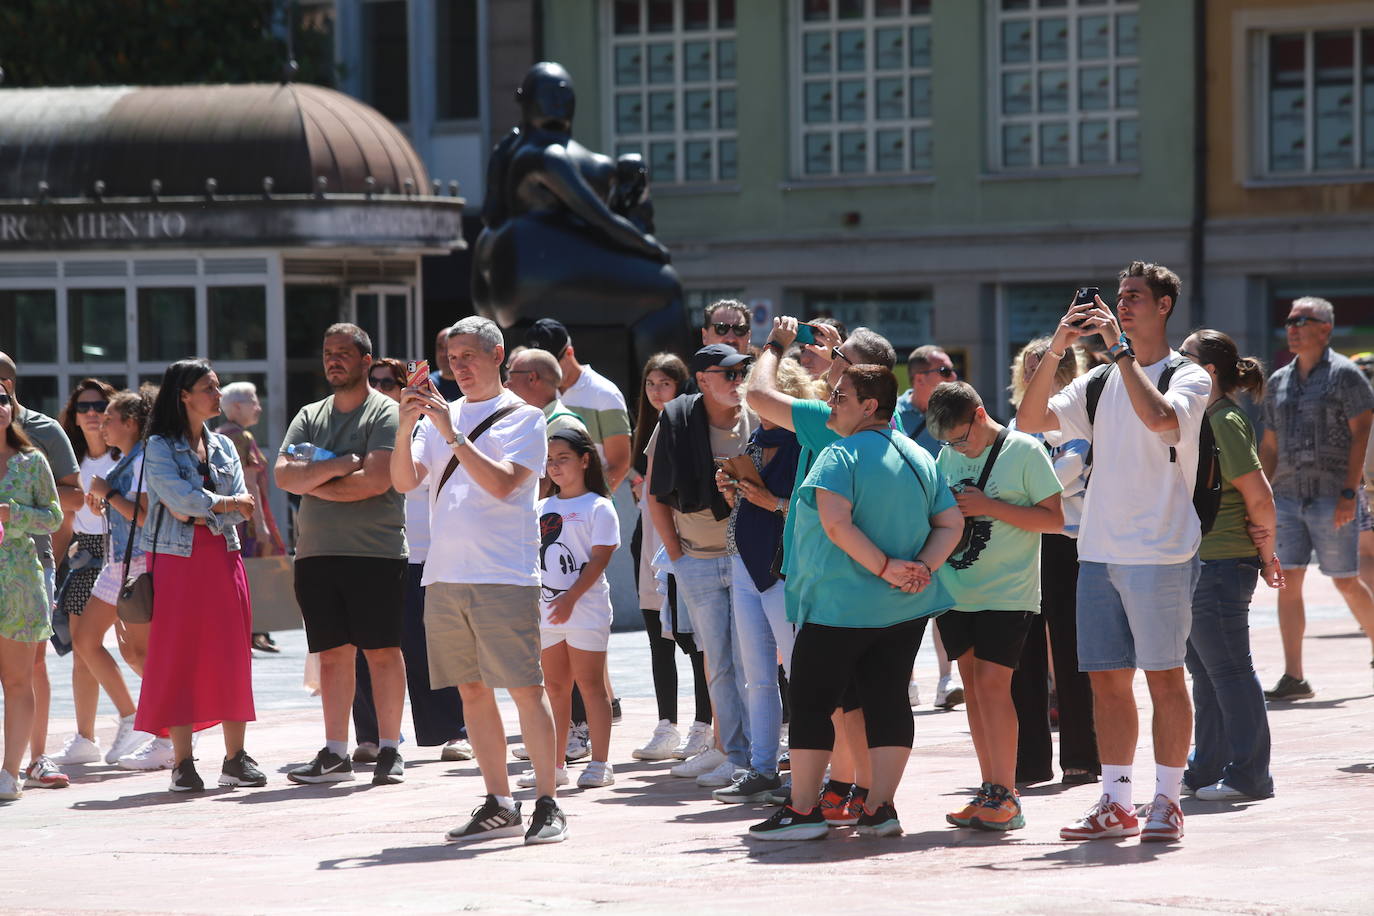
(1207, 485)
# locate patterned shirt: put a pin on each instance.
(1311, 420)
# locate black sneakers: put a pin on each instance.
(752, 787)
(241, 770)
(326, 767)
(185, 778)
(787, 823)
(547, 823)
(488, 819)
(882, 822)
(1290, 688)
(390, 769)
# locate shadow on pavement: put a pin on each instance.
(1274, 706)
(1090, 854)
(1358, 768)
(146, 800)
(421, 855)
(293, 792)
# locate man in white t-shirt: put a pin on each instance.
(484, 454)
(1139, 536)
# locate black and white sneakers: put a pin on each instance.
(185, 778)
(390, 769)
(326, 767)
(547, 824)
(787, 823)
(488, 819)
(241, 770)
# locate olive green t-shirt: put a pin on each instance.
(1235, 437)
(372, 527)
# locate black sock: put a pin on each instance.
(858, 793)
(839, 788)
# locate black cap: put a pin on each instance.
(722, 355)
(548, 334)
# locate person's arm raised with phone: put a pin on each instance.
(764, 398)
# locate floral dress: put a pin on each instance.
(29, 490)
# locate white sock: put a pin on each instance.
(1116, 783)
(389, 742)
(337, 747)
(1168, 781)
(505, 801)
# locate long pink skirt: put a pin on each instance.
(199, 668)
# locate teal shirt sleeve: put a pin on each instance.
(833, 471)
(808, 420)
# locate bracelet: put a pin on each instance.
(926, 565)
(1049, 351)
(883, 571)
(774, 344)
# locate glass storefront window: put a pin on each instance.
(309, 310)
(166, 323)
(39, 392)
(96, 328)
(237, 318)
(903, 317)
(28, 325)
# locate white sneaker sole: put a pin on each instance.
(595, 784)
(325, 777)
(547, 840)
(800, 832)
(754, 799)
(653, 754)
(512, 830)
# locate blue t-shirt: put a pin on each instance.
(893, 499)
(808, 420)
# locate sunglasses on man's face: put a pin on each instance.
(731, 375)
(723, 329)
(1299, 321)
(385, 384)
(942, 371)
(91, 406)
(836, 354)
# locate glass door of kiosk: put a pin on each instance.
(388, 314)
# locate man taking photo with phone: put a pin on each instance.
(1139, 536)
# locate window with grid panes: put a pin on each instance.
(865, 86)
(672, 86)
(1317, 102)
(1065, 87)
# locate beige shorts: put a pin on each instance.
(483, 633)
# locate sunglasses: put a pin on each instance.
(942, 371)
(91, 406)
(386, 384)
(4, 399)
(836, 354)
(1302, 320)
(723, 329)
(731, 375)
(1191, 355)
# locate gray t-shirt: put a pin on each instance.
(47, 434)
(372, 527)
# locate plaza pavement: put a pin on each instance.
(118, 842)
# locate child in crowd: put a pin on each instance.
(1008, 492)
(578, 532)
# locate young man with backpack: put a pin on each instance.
(1139, 535)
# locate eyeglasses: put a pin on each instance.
(962, 440)
(723, 329)
(942, 371)
(522, 372)
(1191, 355)
(1301, 320)
(91, 406)
(385, 384)
(731, 375)
(836, 354)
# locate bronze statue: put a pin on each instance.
(568, 231)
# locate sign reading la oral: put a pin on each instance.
(92, 226)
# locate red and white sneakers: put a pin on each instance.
(1104, 820)
(1163, 821)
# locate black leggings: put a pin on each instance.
(878, 661)
(664, 664)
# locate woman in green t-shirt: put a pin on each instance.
(1230, 759)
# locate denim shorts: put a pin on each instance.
(1135, 616)
(1305, 526)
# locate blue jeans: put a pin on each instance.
(1231, 739)
(762, 632)
(704, 586)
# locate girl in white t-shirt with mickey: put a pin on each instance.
(578, 532)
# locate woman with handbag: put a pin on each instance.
(28, 506)
(198, 672)
(874, 521)
(752, 540)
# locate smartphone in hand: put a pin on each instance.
(806, 334)
(417, 373)
(1084, 296)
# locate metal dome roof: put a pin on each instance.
(182, 135)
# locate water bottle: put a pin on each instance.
(307, 451)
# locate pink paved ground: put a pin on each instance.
(117, 842)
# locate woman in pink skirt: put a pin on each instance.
(198, 672)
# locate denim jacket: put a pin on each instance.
(173, 482)
(122, 480)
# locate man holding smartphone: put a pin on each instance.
(1138, 555)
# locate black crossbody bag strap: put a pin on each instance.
(906, 459)
(992, 457)
(477, 431)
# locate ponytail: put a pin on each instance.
(1250, 377)
(1218, 350)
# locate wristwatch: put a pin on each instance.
(1121, 348)
(459, 438)
(1347, 493)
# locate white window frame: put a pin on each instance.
(680, 136)
(1073, 116)
(1257, 102)
(870, 124)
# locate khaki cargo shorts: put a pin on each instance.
(483, 633)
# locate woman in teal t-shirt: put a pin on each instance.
(875, 519)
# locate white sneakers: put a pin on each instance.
(155, 754)
(597, 774)
(722, 775)
(126, 740)
(948, 693)
(699, 765)
(699, 739)
(9, 787)
(662, 745)
(527, 779)
(44, 774)
(1220, 791)
(579, 742)
(458, 749)
(79, 749)
(913, 694)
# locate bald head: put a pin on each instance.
(7, 366)
(535, 376)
